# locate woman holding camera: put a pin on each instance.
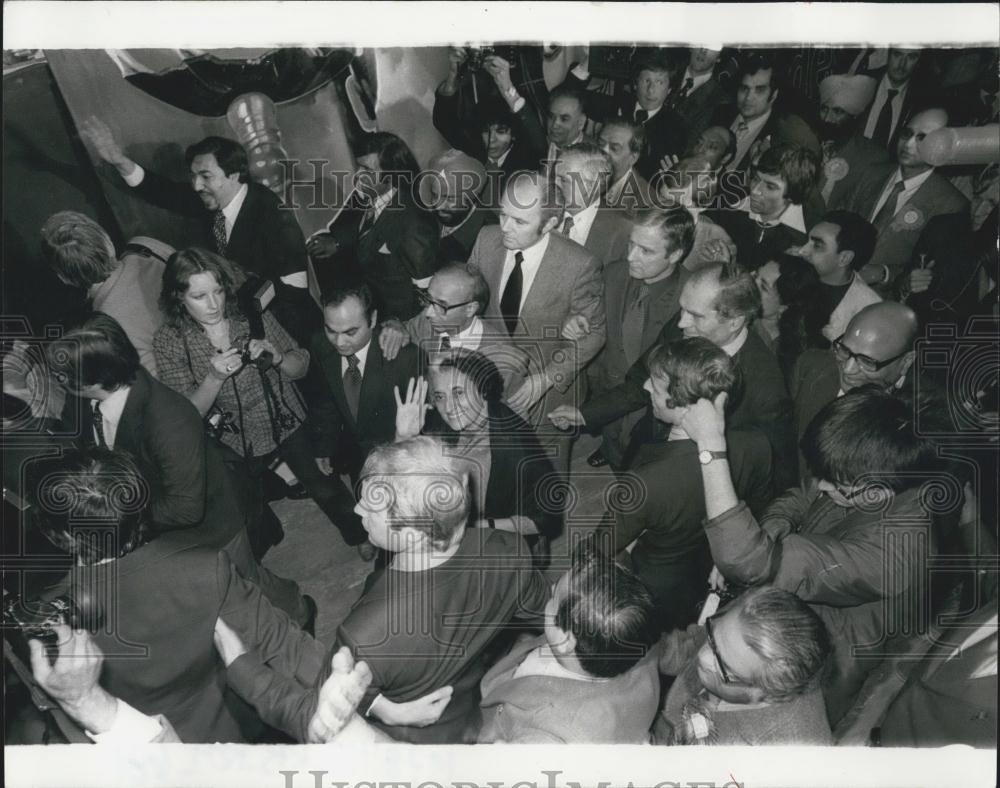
(241, 385)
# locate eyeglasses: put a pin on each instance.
(426, 300)
(715, 650)
(867, 363)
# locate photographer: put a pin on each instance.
(241, 384)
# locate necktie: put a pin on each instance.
(641, 115)
(352, 385)
(742, 127)
(634, 320)
(445, 342)
(682, 93)
(884, 122)
(567, 226)
(219, 232)
(367, 221)
(510, 301)
(102, 441)
(888, 209)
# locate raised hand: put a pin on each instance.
(226, 363)
(321, 246)
(392, 338)
(705, 422)
(410, 412)
(103, 141)
(499, 69)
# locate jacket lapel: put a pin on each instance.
(335, 378)
(546, 280)
(371, 381)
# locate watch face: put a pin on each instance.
(704, 457)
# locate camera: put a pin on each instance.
(254, 296)
(476, 56)
(37, 620)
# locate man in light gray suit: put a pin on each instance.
(538, 279)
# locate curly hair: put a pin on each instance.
(177, 275)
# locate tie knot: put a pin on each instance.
(893, 93)
(352, 361)
(688, 83)
(518, 258)
(641, 115)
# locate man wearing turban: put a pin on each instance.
(846, 151)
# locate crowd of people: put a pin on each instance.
(724, 282)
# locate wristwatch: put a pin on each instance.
(705, 456)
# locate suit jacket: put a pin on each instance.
(761, 402)
(400, 247)
(613, 362)
(160, 603)
(913, 98)
(568, 283)
(554, 709)
(609, 235)
(336, 432)
(700, 106)
(781, 128)
(665, 131)
(266, 239)
(840, 174)
(814, 382)
(495, 344)
(897, 240)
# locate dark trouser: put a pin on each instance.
(329, 492)
(677, 587)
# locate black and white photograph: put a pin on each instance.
(603, 393)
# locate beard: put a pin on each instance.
(452, 218)
(837, 133)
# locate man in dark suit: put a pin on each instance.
(876, 348)
(646, 104)
(395, 245)
(582, 173)
(847, 153)
(537, 280)
(900, 199)
(357, 407)
(696, 94)
(624, 141)
(718, 303)
(120, 406)
(641, 294)
(756, 121)
(494, 136)
(241, 220)
(770, 220)
(896, 96)
(159, 599)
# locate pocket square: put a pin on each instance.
(384, 249)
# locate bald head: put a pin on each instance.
(916, 128)
(882, 332)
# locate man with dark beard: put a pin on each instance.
(453, 187)
(846, 151)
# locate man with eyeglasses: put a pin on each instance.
(451, 317)
(899, 199)
(876, 347)
(749, 676)
(851, 544)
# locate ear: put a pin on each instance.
(567, 645)
(550, 225)
(374, 321)
(846, 258)
(675, 256)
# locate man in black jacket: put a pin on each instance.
(718, 303)
(241, 220)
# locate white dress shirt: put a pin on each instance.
(529, 267)
(881, 94)
(362, 359)
(469, 338)
(542, 661)
(696, 81)
(582, 223)
(910, 187)
(111, 413)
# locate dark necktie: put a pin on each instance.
(510, 301)
(641, 115)
(888, 209)
(884, 122)
(445, 342)
(567, 226)
(102, 441)
(634, 319)
(219, 232)
(352, 385)
(682, 93)
(367, 222)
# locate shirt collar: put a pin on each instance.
(912, 183)
(884, 87)
(470, 337)
(362, 358)
(792, 216)
(231, 211)
(503, 156)
(754, 124)
(737, 344)
(652, 112)
(533, 254)
(583, 221)
(112, 408)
